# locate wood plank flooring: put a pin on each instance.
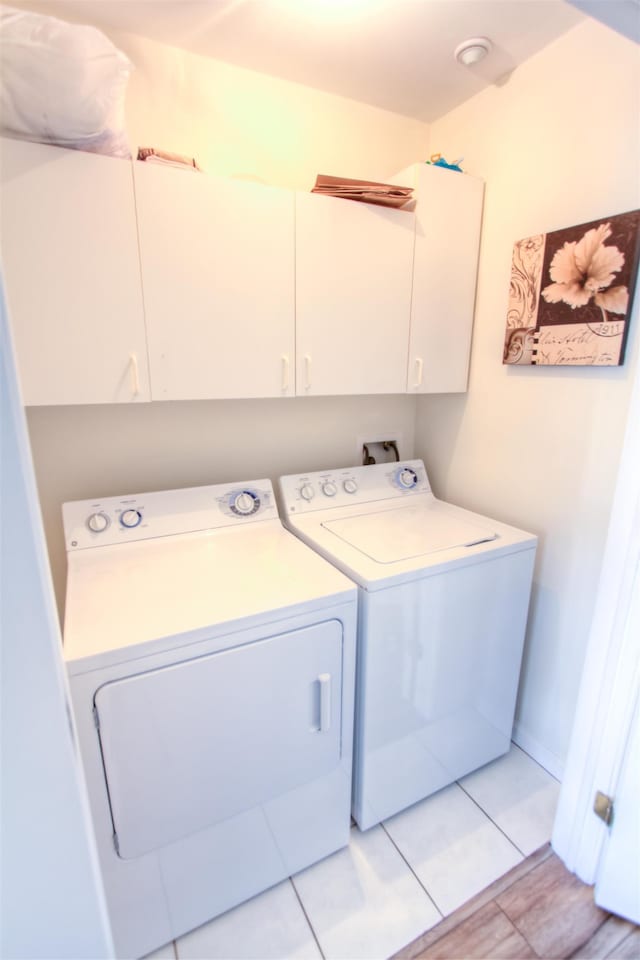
(537, 910)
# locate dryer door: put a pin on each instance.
(188, 745)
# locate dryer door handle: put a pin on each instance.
(324, 683)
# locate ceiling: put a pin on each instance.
(394, 54)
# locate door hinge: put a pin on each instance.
(116, 842)
(603, 807)
(96, 718)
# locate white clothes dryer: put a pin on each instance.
(211, 662)
(443, 600)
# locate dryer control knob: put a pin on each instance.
(98, 522)
(350, 486)
(407, 478)
(329, 488)
(130, 518)
(307, 492)
(245, 503)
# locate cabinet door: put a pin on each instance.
(448, 215)
(70, 261)
(353, 290)
(217, 273)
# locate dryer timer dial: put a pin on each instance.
(407, 478)
(245, 503)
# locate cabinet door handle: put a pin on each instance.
(285, 372)
(307, 371)
(419, 366)
(324, 684)
(135, 379)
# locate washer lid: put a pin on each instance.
(408, 531)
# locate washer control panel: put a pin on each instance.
(94, 523)
(340, 488)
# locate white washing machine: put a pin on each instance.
(211, 660)
(443, 599)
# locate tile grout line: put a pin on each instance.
(490, 818)
(395, 845)
(537, 762)
(306, 916)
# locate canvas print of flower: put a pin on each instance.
(571, 293)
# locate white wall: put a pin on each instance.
(558, 144)
(235, 122)
(52, 902)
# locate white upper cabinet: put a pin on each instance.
(448, 219)
(353, 293)
(217, 259)
(70, 262)
(129, 282)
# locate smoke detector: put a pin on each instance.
(472, 51)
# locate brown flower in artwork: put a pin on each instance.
(585, 269)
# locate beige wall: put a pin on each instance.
(105, 450)
(558, 144)
(240, 123)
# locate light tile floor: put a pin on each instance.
(396, 880)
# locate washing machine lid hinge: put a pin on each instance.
(116, 842)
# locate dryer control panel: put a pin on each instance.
(109, 520)
(303, 493)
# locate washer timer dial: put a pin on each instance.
(350, 486)
(407, 478)
(130, 518)
(329, 488)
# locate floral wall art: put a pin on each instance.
(571, 294)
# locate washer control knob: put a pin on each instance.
(245, 503)
(329, 488)
(350, 486)
(307, 492)
(130, 518)
(407, 478)
(98, 522)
